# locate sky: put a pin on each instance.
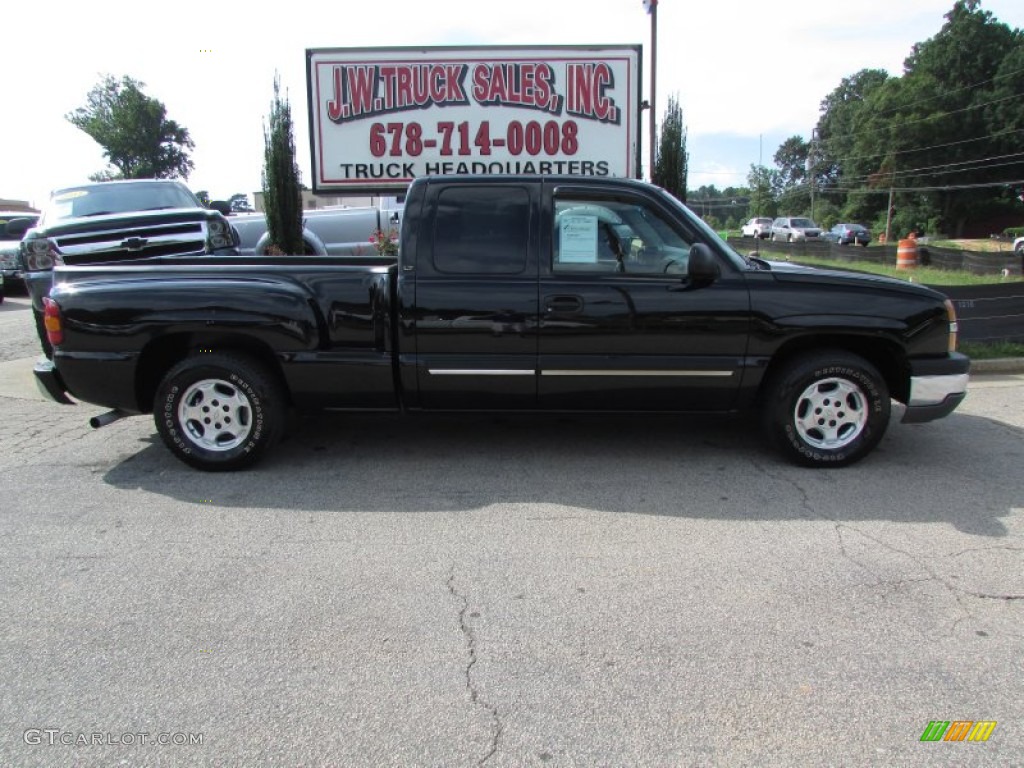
(747, 74)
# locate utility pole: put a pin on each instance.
(651, 6)
(811, 163)
(888, 218)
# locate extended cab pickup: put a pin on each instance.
(508, 294)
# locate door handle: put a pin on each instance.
(563, 304)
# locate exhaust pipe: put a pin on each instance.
(107, 418)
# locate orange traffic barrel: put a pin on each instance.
(906, 254)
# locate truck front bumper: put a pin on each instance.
(937, 387)
(50, 383)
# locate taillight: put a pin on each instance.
(52, 321)
(954, 326)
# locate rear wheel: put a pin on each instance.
(826, 409)
(219, 412)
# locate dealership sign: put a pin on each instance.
(380, 117)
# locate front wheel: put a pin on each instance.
(826, 409)
(219, 411)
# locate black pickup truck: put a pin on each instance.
(508, 294)
(112, 221)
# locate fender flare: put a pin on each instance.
(313, 243)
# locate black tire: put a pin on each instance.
(826, 409)
(219, 412)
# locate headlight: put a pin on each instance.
(219, 233)
(40, 254)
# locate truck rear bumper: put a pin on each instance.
(937, 387)
(50, 383)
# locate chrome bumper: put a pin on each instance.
(937, 388)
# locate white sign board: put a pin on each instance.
(380, 117)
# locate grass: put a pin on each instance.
(991, 350)
(984, 246)
(924, 275)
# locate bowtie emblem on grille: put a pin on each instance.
(134, 243)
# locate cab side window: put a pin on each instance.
(482, 230)
(615, 236)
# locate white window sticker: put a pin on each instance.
(578, 236)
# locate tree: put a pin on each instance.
(204, 197)
(940, 137)
(670, 165)
(137, 138)
(790, 180)
(762, 201)
(282, 193)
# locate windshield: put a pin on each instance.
(805, 223)
(101, 199)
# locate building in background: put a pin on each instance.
(16, 205)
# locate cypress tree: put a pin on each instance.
(282, 190)
(670, 166)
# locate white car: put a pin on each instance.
(793, 229)
(759, 227)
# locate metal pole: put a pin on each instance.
(654, 80)
(888, 218)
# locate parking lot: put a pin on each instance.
(456, 591)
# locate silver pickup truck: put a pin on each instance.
(336, 231)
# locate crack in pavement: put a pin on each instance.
(959, 593)
(474, 694)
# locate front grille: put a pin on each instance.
(186, 230)
(174, 239)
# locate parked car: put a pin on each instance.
(13, 226)
(759, 227)
(794, 229)
(848, 234)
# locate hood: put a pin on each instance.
(786, 271)
(110, 221)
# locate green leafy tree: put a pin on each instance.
(792, 188)
(282, 191)
(204, 197)
(670, 165)
(762, 199)
(132, 128)
(938, 136)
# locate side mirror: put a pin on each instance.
(702, 265)
(16, 228)
(222, 207)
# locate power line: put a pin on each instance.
(932, 146)
(950, 93)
